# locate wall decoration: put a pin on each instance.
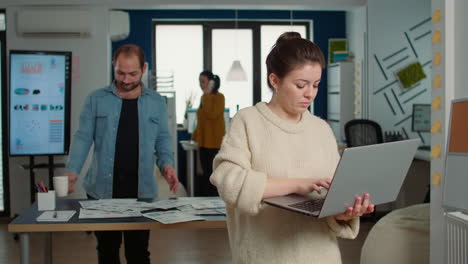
(404, 77)
(436, 151)
(437, 58)
(436, 37)
(437, 83)
(436, 16)
(436, 102)
(436, 127)
(340, 45)
(436, 178)
(410, 75)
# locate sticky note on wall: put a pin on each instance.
(437, 83)
(436, 36)
(436, 127)
(436, 103)
(436, 178)
(436, 16)
(437, 58)
(435, 152)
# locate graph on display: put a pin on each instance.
(39, 106)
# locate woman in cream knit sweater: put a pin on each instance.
(279, 148)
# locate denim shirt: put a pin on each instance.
(98, 124)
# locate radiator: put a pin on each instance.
(457, 238)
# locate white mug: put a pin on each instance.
(61, 185)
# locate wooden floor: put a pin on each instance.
(166, 246)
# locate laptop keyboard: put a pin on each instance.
(309, 205)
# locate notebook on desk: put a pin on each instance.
(56, 216)
(378, 169)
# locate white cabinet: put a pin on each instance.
(170, 97)
(340, 96)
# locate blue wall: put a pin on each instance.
(327, 24)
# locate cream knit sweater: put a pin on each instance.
(258, 145)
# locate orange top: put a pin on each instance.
(210, 121)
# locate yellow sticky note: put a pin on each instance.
(435, 152)
(437, 58)
(436, 178)
(436, 16)
(437, 83)
(436, 36)
(436, 127)
(436, 103)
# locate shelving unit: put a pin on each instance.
(340, 97)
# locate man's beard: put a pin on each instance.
(127, 87)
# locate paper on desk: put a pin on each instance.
(94, 214)
(167, 204)
(188, 209)
(123, 205)
(222, 210)
(56, 216)
(171, 217)
(208, 204)
(110, 205)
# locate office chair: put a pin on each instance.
(362, 132)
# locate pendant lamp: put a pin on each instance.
(236, 72)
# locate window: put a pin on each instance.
(187, 48)
(269, 35)
(2, 22)
(229, 45)
(179, 50)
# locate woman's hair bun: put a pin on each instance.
(287, 36)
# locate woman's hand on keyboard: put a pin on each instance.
(284, 186)
(308, 185)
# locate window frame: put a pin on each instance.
(5, 160)
(209, 25)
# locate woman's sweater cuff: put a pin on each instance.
(251, 193)
(344, 229)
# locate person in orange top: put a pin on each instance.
(210, 129)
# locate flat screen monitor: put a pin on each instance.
(39, 102)
(421, 121)
(455, 195)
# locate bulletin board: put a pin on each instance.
(458, 137)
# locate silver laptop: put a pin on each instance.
(376, 169)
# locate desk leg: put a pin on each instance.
(48, 248)
(190, 173)
(24, 245)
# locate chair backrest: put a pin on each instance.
(362, 132)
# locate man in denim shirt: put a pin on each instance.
(128, 125)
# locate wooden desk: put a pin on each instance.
(26, 223)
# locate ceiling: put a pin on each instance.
(192, 4)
